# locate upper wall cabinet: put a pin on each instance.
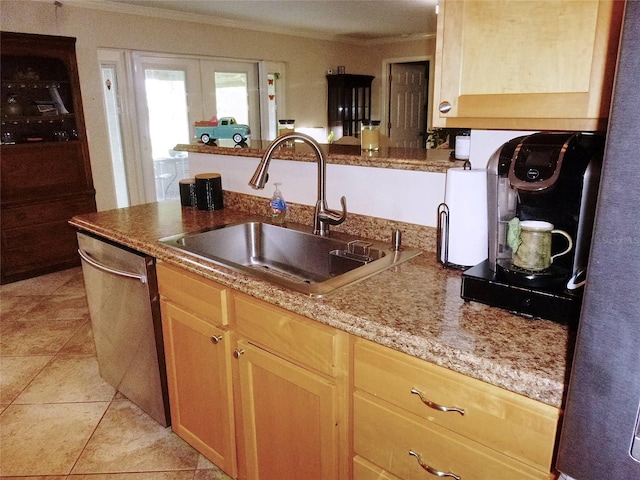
(534, 65)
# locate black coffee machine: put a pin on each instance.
(552, 177)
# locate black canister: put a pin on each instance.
(209, 191)
(188, 192)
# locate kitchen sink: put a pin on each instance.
(290, 256)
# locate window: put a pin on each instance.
(169, 94)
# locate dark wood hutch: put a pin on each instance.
(45, 173)
(349, 102)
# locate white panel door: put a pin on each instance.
(408, 96)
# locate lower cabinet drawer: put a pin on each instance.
(37, 238)
(43, 170)
(385, 435)
(517, 426)
(208, 299)
(28, 251)
(297, 338)
(39, 244)
(365, 470)
(45, 212)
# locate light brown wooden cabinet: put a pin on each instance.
(198, 358)
(534, 65)
(452, 423)
(267, 394)
(291, 395)
(289, 414)
(258, 390)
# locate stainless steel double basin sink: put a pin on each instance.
(290, 256)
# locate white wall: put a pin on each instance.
(485, 142)
(307, 60)
(402, 195)
(412, 197)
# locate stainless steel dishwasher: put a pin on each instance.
(122, 293)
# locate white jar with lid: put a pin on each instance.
(463, 146)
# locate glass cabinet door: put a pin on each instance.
(349, 103)
(37, 102)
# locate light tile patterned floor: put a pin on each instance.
(58, 419)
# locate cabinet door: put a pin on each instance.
(198, 372)
(349, 102)
(289, 417)
(526, 65)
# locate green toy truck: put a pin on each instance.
(208, 131)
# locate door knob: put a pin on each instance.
(238, 353)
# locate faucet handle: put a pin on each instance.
(333, 217)
(324, 217)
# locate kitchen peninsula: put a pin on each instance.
(404, 184)
(414, 309)
(402, 337)
(418, 159)
(502, 367)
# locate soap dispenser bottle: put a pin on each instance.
(278, 206)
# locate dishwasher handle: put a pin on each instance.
(87, 258)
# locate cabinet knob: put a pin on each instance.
(444, 107)
(430, 469)
(434, 405)
(238, 353)
(216, 339)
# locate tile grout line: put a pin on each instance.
(59, 354)
(84, 447)
(52, 357)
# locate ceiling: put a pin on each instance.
(349, 20)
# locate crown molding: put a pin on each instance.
(153, 12)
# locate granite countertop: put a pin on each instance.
(417, 159)
(414, 307)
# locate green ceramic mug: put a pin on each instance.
(534, 251)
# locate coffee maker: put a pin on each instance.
(552, 177)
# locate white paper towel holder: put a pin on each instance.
(442, 233)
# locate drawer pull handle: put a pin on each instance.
(216, 339)
(435, 406)
(432, 470)
(238, 353)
